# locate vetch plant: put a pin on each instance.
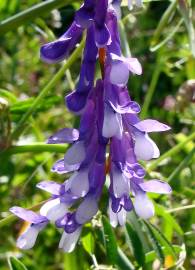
(111, 137)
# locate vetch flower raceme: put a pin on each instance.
(109, 123)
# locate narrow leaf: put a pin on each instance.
(136, 245)
(110, 241)
(15, 264)
(154, 242)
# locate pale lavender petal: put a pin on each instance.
(61, 168)
(50, 186)
(68, 240)
(79, 183)
(134, 65)
(75, 154)
(122, 217)
(112, 216)
(119, 73)
(27, 215)
(156, 186)
(121, 184)
(144, 208)
(53, 209)
(145, 148)
(111, 123)
(150, 125)
(28, 238)
(65, 135)
(86, 210)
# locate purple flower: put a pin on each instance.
(109, 123)
(58, 50)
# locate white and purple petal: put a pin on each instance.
(86, 210)
(68, 240)
(50, 186)
(27, 215)
(65, 135)
(150, 125)
(145, 148)
(144, 208)
(156, 186)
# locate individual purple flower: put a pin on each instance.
(121, 67)
(36, 223)
(58, 50)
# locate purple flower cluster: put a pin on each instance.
(111, 137)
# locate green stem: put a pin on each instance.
(12, 217)
(36, 148)
(19, 128)
(163, 21)
(31, 14)
(151, 90)
(183, 164)
(170, 153)
(181, 208)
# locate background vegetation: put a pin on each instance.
(32, 107)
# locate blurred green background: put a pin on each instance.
(160, 35)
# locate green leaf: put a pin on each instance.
(109, 241)
(124, 262)
(154, 242)
(8, 95)
(88, 243)
(161, 211)
(30, 14)
(15, 264)
(151, 256)
(135, 244)
(163, 22)
(163, 240)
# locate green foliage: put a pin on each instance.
(161, 35)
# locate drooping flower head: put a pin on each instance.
(111, 137)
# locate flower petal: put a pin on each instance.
(145, 148)
(112, 216)
(156, 186)
(75, 154)
(65, 135)
(60, 167)
(122, 217)
(50, 186)
(86, 210)
(111, 123)
(58, 50)
(134, 65)
(144, 208)
(120, 183)
(68, 240)
(76, 101)
(79, 183)
(102, 36)
(28, 238)
(150, 125)
(53, 209)
(119, 73)
(27, 215)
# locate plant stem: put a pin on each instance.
(151, 90)
(181, 208)
(19, 128)
(183, 164)
(31, 14)
(170, 153)
(36, 148)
